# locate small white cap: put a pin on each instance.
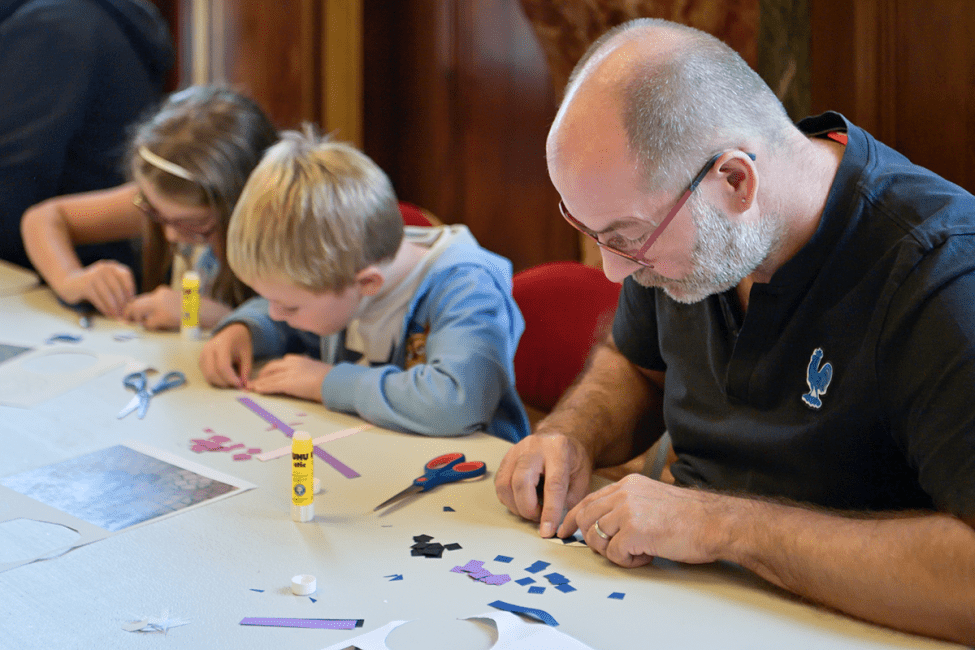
(316, 485)
(304, 584)
(303, 514)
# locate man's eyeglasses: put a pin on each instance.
(639, 256)
(202, 226)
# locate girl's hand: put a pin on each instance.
(159, 310)
(106, 284)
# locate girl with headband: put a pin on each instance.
(188, 163)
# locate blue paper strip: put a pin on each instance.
(538, 614)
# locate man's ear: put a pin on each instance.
(739, 185)
(370, 280)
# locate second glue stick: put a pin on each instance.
(302, 477)
(189, 325)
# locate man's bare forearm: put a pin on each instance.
(914, 572)
(614, 410)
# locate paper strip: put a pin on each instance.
(270, 419)
(318, 623)
(339, 466)
(539, 614)
(344, 433)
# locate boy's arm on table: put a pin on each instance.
(457, 389)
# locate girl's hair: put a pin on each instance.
(218, 136)
(315, 212)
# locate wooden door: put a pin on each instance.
(903, 70)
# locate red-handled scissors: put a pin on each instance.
(442, 469)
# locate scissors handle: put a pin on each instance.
(169, 380)
(443, 461)
(135, 380)
(458, 470)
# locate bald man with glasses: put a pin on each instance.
(796, 313)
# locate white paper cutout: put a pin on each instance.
(34, 377)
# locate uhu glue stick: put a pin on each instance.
(302, 477)
(189, 325)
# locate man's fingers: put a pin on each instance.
(554, 500)
(524, 477)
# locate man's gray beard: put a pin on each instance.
(724, 253)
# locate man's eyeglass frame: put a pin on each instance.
(639, 256)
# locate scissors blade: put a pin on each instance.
(143, 404)
(131, 406)
(410, 490)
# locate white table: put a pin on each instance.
(203, 564)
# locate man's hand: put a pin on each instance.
(643, 518)
(159, 310)
(564, 465)
(293, 374)
(106, 284)
(226, 359)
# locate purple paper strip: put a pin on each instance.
(319, 623)
(339, 466)
(270, 419)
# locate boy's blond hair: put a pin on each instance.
(314, 212)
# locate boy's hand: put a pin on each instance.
(294, 374)
(226, 358)
(159, 310)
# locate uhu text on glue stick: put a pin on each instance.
(189, 325)
(302, 477)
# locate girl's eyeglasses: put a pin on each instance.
(202, 226)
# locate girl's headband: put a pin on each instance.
(163, 164)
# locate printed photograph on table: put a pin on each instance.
(117, 487)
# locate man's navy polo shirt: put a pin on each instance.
(850, 383)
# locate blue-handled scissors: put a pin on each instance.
(442, 469)
(139, 382)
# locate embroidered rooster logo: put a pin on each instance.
(817, 378)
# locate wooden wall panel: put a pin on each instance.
(263, 48)
(904, 71)
(457, 105)
(934, 63)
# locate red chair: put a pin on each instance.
(414, 216)
(568, 306)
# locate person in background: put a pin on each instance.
(74, 75)
(796, 312)
(188, 162)
(414, 331)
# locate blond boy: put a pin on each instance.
(412, 329)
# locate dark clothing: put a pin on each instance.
(74, 74)
(850, 383)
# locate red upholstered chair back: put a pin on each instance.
(412, 215)
(567, 307)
